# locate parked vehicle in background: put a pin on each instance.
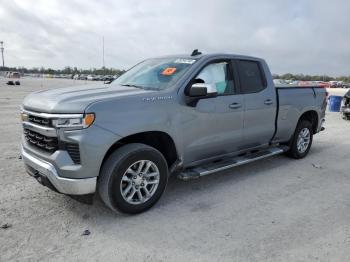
(107, 78)
(345, 107)
(323, 84)
(189, 116)
(82, 77)
(94, 77)
(14, 78)
(98, 78)
(306, 83)
(333, 84)
(14, 75)
(338, 84)
(280, 82)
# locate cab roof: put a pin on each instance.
(212, 55)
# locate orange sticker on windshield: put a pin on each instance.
(169, 71)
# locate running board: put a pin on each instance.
(224, 164)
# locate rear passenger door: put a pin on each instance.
(259, 104)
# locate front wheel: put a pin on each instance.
(133, 178)
(302, 140)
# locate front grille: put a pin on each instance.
(73, 151)
(39, 120)
(48, 144)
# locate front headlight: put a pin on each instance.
(82, 122)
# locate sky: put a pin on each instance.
(296, 36)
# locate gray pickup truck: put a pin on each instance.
(187, 115)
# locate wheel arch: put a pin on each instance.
(312, 117)
(159, 140)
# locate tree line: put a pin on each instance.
(66, 70)
(114, 71)
(303, 77)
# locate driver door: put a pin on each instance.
(216, 126)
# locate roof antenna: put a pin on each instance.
(196, 52)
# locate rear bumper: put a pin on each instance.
(43, 171)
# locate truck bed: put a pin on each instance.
(293, 101)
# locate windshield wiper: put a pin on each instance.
(141, 87)
(132, 86)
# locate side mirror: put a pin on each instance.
(203, 90)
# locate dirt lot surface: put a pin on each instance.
(277, 209)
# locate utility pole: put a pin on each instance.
(103, 51)
(2, 53)
(103, 56)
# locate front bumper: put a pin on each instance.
(41, 169)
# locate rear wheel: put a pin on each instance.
(133, 178)
(302, 140)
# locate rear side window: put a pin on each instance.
(250, 77)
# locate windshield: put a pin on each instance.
(155, 74)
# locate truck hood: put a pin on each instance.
(76, 98)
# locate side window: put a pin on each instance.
(218, 74)
(250, 77)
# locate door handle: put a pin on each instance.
(268, 102)
(235, 105)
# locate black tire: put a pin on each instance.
(293, 152)
(112, 171)
(346, 116)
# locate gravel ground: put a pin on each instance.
(277, 209)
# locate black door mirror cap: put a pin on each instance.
(202, 90)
